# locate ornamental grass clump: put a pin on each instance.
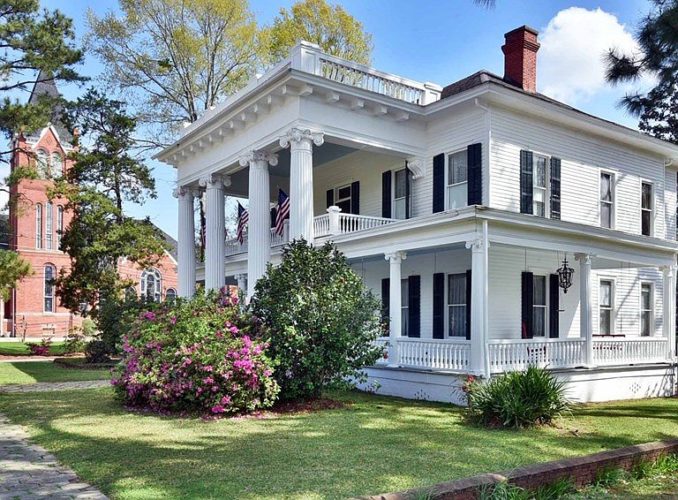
(201, 355)
(517, 399)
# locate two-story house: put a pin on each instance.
(501, 228)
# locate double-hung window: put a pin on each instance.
(342, 198)
(605, 305)
(457, 180)
(539, 306)
(456, 305)
(60, 225)
(646, 205)
(38, 226)
(50, 275)
(48, 225)
(400, 195)
(404, 307)
(606, 199)
(540, 186)
(646, 309)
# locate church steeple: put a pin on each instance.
(45, 86)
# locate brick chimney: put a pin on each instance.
(520, 58)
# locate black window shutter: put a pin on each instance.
(554, 306)
(274, 211)
(408, 191)
(555, 188)
(385, 298)
(527, 305)
(386, 194)
(355, 198)
(526, 184)
(468, 304)
(414, 305)
(438, 183)
(475, 174)
(330, 197)
(439, 306)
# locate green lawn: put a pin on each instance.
(374, 445)
(30, 372)
(19, 348)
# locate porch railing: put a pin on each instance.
(234, 247)
(518, 354)
(334, 223)
(383, 343)
(441, 354)
(629, 351)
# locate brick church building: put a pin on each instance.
(34, 231)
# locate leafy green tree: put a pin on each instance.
(657, 37)
(321, 320)
(335, 30)
(36, 46)
(103, 178)
(175, 59)
(12, 270)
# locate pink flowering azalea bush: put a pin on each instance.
(200, 355)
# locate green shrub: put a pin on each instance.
(115, 317)
(97, 351)
(75, 342)
(320, 318)
(518, 399)
(88, 328)
(200, 355)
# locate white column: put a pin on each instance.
(259, 209)
(301, 180)
(242, 282)
(669, 311)
(395, 260)
(215, 228)
(585, 306)
(186, 243)
(479, 282)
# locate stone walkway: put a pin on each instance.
(53, 386)
(28, 471)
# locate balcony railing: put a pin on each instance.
(234, 247)
(629, 351)
(334, 223)
(518, 354)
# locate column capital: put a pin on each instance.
(252, 157)
(180, 191)
(584, 258)
(298, 136)
(669, 270)
(395, 257)
(476, 245)
(214, 181)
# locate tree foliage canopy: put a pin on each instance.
(12, 269)
(175, 58)
(331, 27)
(34, 43)
(657, 38)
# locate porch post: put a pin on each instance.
(215, 225)
(669, 312)
(186, 244)
(395, 261)
(301, 143)
(259, 228)
(479, 284)
(242, 282)
(586, 308)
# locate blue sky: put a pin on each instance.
(444, 40)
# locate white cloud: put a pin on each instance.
(571, 65)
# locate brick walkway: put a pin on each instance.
(53, 386)
(28, 471)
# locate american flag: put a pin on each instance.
(282, 213)
(243, 219)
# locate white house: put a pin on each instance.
(457, 205)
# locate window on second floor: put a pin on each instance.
(457, 180)
(606, 199)
(342, 198)
(38, 226)
(646, 208)
(400, 195)
(48, 225)
(646, 309)
(540, 186)
(60, 225)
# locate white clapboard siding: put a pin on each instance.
(583, 156)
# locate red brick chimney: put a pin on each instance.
(520, 58)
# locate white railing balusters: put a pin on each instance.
(629, 351)
(515, 354)
(439, 354)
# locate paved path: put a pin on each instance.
(28, 471)
(53, 386)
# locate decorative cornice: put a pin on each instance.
(416, 166)
(296, 136)
(258, 157)
(395, 257)
(214, 181)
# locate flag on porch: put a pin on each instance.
(282, 213)
(243, 219)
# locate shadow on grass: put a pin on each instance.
(376, 444)
(46, 371)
